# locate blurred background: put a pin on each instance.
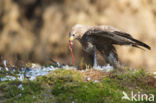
(34, 30)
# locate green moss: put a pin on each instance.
(12, 93)
(134, 79)
(65, 86)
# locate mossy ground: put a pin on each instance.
(66, 86)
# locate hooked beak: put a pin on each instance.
(71, 38)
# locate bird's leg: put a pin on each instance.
(113, 60)
(95, 57)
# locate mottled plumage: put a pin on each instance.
(102, 38)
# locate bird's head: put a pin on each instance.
(77, 32)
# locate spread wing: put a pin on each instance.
(114, 37)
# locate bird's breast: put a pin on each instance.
(88, 47)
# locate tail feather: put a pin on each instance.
(141, 43)
(138, 47)
(137, 42)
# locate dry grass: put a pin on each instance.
(94, 74)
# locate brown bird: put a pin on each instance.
(103, 38)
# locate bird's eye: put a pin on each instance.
(73, 35)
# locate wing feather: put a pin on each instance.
(120, 38)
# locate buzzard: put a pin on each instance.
(102, 38)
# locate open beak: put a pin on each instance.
(71, 44)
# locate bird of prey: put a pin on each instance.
(103, 38)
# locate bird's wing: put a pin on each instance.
(117, 37)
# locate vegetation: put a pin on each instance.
(72, 86)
